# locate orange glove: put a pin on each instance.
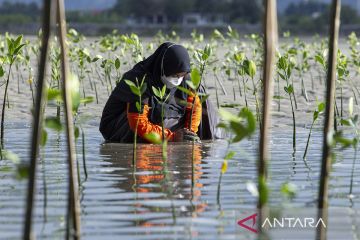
(144, 126)
(196, 115)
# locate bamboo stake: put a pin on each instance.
(37, 121)
(270, 42)
(73, 199)
(329, 117)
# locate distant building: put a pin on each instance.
(158, 19)
(198, 19)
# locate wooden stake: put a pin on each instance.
(73, 200)
(270, 42)
(329, 117)
(37, 121)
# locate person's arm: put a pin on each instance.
(144, 126)
(196, 115)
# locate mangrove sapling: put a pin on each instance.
(284, 69)
(202, 57)
(291, 57)
(138, 89)
(241, 126)
(320, 58)
(134, 44)
(355, 62)
(162, 98)
(216, 89)
(302, 67)
(250, 70)
(55, 73)
(342, 74)
(90, 62)
(14, 47)
(320, 109)
(238, 59)
(241, 72)
(352, 121)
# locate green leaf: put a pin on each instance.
(185, 90)
(288, 190)
(10, 45)
(229, 155)
(138, 107)
(130, 83)
(278, 97)
(195, 78)
(163, 91)
(76, 132)
(43, 138)
(289, 89)
(117, 63)
(228, 116)
(191, 85)
(53, 93)
(17, 50)
(9, 155)
(315, 115)
(156, 92)
(252, 69)
(282, 76)
(135, 90)
(282, 63)
(87, 100)
(2, 72)
(251, 121)
(18, 41)
(153, 137)
(321, 107)
(53, 123)
(204, 98)
(346, 122)
(22, 171)
(320, 59)
(143, 88)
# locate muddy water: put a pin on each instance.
(175, 200)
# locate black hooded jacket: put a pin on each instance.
(114, 126)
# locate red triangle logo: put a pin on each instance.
(250, 228)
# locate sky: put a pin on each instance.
(77, 4)
(104, 4)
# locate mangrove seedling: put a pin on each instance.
(240, 126)
(161, 98)
(138, 89)
(250, 70)
(14, 47)
(320, 109)
(284, 69)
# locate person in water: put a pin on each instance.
(169, 65)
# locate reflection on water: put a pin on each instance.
(176, 198)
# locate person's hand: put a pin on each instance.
(184, 134)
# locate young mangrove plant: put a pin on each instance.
(240, 126)
(161, 98)
(342, 74)
(284, 70)
(319, 109)
(14, 48)
(250, 69)
(354, 61)
(352, 121)
(138, 89)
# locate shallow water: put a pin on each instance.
(176, 200)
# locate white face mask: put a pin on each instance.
(171, 82)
